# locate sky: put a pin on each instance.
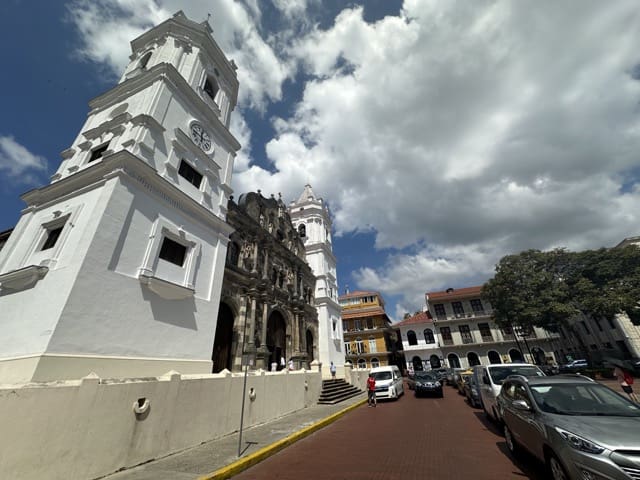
(443, 135)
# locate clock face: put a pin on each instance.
(200, 137)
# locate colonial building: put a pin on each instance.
(419, 342)
(369, 339)
(116, 266)
(468, 336)
(311, 218)
(267, 307)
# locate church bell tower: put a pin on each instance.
(311, 217)
(116, 266)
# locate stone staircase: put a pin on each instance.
(335, 391)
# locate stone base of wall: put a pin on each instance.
(91, 427)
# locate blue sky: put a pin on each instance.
(444, 135)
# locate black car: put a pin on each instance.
(427, 383)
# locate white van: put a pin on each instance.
(389, 383)
(490, 377)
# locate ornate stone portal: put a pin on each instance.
(267, 304)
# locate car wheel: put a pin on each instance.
(511, 443)
(555, 467)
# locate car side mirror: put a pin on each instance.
(521, 405)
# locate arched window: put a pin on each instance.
(302, 230)
(411, 337)
(144, 60)
(515, 355)
(434, 360)
(454, 361)
(416, 363)
(210, 87)
(494, 357)
(233, 253)
(428, 336)
(473, 359)
(375, 362)
(362, 363)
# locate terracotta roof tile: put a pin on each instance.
(455, 293)
(422, 317)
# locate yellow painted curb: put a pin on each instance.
(256, 457)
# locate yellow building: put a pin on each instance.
(370, 340)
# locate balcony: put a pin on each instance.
(466, 339)
(487, 338)
(447, 341)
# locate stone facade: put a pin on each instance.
(267, 306)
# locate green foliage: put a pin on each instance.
(547, 288)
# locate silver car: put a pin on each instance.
(579, 428)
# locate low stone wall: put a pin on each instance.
(88, 428)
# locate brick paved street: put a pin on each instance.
(412, 438)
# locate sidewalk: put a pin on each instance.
(218, 459)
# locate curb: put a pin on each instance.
(242, 464)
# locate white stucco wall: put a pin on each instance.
(87, 429)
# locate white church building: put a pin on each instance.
(116, 266)
(311, 217)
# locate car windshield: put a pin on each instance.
(382, 375)
(582, 399)
(428, 377)
(498, 374)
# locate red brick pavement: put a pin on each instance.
(412, 438)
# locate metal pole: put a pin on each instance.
(244, 392)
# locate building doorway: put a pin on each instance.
(454, 361)
(221, 356)
(310, 357)
(494, 357)
(434, 360)
(416, 363)
(472, 358)
(276, 339)
(515, 355)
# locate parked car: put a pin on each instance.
(427, 383)
(579, 428)
(463, 378)
(442, 373)
(472, 392)
(490, 378)
(574, 366)
(451, 376)
(389, 382)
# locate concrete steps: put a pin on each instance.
(335, 391)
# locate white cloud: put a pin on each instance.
(19, 164)
(458, 131)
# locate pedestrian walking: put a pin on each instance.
(371, 390)
(332, 369)
(283, 363)
(626, 380)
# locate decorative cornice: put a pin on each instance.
(22, 278)
(126, 166)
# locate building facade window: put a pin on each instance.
(428, 336)
(345, 326)
(457, 308)
(476, 306)
(447, 339)
(302, 230)
(359, 345)
(52, 237)
(375, 362)
(173, 252)
(465, 334)
(98, 152)
(190, 174)
(358, 324)
(440, 311)
(210, 87)
(370, 323)
(372, 346)
(411, 337)
(485, 332)
(362, 363)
